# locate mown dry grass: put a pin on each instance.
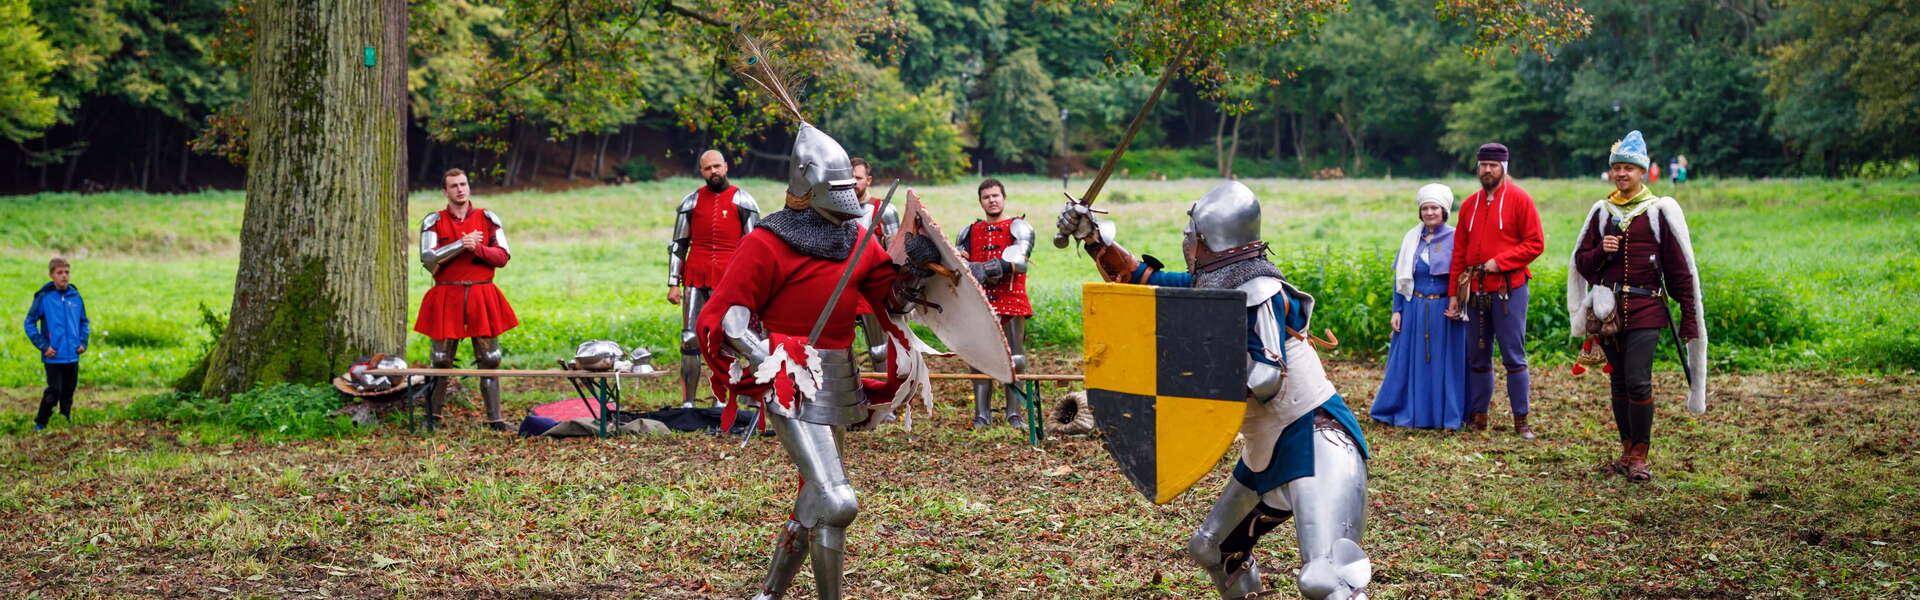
(1795, 485)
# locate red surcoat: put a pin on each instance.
(715, 224)
(987, 241)
(1503, 227)
(463, 301)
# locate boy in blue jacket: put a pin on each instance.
(57, 325)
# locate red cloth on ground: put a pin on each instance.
(786, 291)
(1502, 226)
(463, 302)
(715, 224)
(987, 241)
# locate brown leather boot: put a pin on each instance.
(1637, 468)
(1618, 466)
(1521, 429)
(1477, 421)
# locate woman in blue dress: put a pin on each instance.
(1426, 378)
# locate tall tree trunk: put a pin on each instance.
(1299, 145)
(573, 159)
(153, 149)
(1353, 143)
(627, 154)
(1233, 148)
(186, 159)
(600, 156)
(323, 243)
(1220, 144)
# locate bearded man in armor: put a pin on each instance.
(996, 250)
(706, 229)
(1305, 458)
(462, 245)
(754, 334)
(887, 220)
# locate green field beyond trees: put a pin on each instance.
(1800, 273)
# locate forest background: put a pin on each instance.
(147, 94)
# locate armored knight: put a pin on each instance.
(887, 219)
(1304, 458)
(997, 248)
(755, 331)
(706, 229)
(462, 245)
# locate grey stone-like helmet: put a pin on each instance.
(823, 174)
(597, 355)
(1226, 217)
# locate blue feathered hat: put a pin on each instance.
(1631, 150)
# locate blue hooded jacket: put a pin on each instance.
(58, 319)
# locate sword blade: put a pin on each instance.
(1133, 127)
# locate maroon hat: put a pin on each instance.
(1493, 151)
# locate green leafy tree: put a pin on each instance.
(1019, 122)
(900, 132)
(26, 62)
(1844, 82)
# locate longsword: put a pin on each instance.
(1113, 160)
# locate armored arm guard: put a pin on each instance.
(748, 345)
(432, 254)
(1265, 376)
(1016, 254)
(889, 221)
(499, 234)
(1117, 265)
(682, 239)
(749, 211)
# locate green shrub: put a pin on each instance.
(279, 412)
(638, 169)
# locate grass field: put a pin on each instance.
(1801, 482)
(1802, 274)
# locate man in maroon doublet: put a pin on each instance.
(996, 249)
(462, 245)
(708, 227)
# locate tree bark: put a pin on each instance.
(1299, 145)
(1233, 148)
(1220, 144)
(426, 162)
(153, 149)
(600, 156)
(1353, 143)
(322, 274)
(573, 159)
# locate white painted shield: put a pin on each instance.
(965, 321)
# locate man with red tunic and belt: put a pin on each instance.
(996, 249)
(708, 226)
(462, 245)
(1495, 237)
(755, 332)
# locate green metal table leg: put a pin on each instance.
(1030, 397)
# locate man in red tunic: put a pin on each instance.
(461, 245)
(996, 249)
(708, 226)
(887, 221)
(1497, 235)
(755, 331)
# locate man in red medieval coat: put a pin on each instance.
(996, 249)
(706, 229)
(461, 245)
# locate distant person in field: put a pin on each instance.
(887, 221)
(1426, 377)
(462, 245)
(1496, 236)
(1635, 248)
(996, 249)
(1680, 169)
(57, 325)
(706, 229)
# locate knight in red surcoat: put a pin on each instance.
(462, 245)
(706, 229)
(996, 250)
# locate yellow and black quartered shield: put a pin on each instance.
(1167, 379)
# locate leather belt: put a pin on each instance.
(462, 282)
(1429, 296)
(1627, 289)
